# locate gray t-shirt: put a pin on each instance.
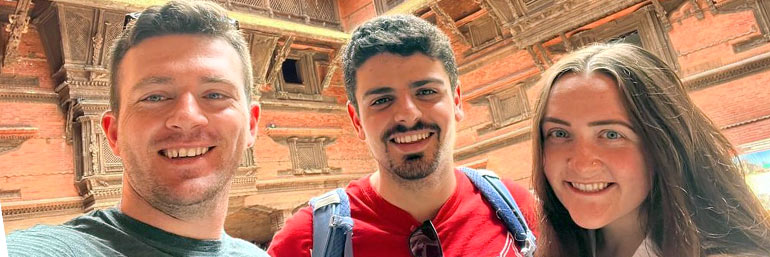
(111, 233)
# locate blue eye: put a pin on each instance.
(215, 96)
(154, 98)
(611, 134)
(558, 133)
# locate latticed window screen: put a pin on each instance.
(109, 158)
(321, 9)
(508, 107)
(287, 6)
(309, 156)
(483, 31)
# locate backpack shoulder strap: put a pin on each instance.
(332, 225)
(498, 196)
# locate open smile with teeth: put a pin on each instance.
(408, 139)
(184, 152)
(590, 187)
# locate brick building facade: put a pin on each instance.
(55, 164)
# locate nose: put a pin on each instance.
(186, 115)
(407, 112)
(585, 159)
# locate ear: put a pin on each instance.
(253, 122)
(110, 129)
(458, 102)
(356, 121)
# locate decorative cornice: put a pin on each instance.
(728, 72)
(245, 20)
(493, 143)
(278, 132)
(269, 103)
(305, 183)
(41, 208)
(12, 137)
(19, 94)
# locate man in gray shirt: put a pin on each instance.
(180, 118)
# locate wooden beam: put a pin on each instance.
(280, 57)
(333, 66)
(19, 23)
(447, 20)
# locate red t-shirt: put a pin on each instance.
(466, 224)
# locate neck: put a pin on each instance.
(622, 237)
(420, 198)
(207, 223)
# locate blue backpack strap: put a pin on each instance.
(505, 207)
(332, 225)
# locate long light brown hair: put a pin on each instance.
(699, 203)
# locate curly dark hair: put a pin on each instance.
(397, 34)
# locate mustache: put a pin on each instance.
(417, 126)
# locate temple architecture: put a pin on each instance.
(55, 163)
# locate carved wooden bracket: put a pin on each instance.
(333, 66)
(18, 25)
(12, 137)
(280, 56)
(662, 14)
(445, 19)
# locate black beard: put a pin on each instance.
(414, 166)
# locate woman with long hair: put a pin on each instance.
(626, 165)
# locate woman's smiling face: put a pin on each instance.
(593, 157)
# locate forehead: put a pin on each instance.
(397, 71)
(581, 95)
(180, 57)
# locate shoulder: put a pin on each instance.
(43, 240)
(240, 247)
(296, 236)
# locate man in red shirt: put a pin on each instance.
(405, 102)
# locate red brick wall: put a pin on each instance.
(355, 12)
(42, 167)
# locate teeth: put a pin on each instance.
(592, 187)
(411, 138)
(185, 152)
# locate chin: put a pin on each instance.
(589, 221)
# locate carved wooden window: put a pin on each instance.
(642, 28)
(308, 155)
(483, 32)
(630, 38)
(508, 107)
(383, 6)
(298, 76)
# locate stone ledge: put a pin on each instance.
(41, 208)
(493, 143)
(727, 72)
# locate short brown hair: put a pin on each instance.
(178, 17)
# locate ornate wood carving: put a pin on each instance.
(728, 72)
(262, 46)
(333, 66)
(11, 137)
(696, 8)
(561, 16)
(305, 183)
(445, 19)
(662, 14)
(483, 32)
(306, 148)
(645, 21)
(316, 12)
(278, 59)
(37, 208)
(536, 58)
(18, 24)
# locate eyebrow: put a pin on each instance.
(152, 80)
(209, 79)
(416, 84)
(592, 124)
